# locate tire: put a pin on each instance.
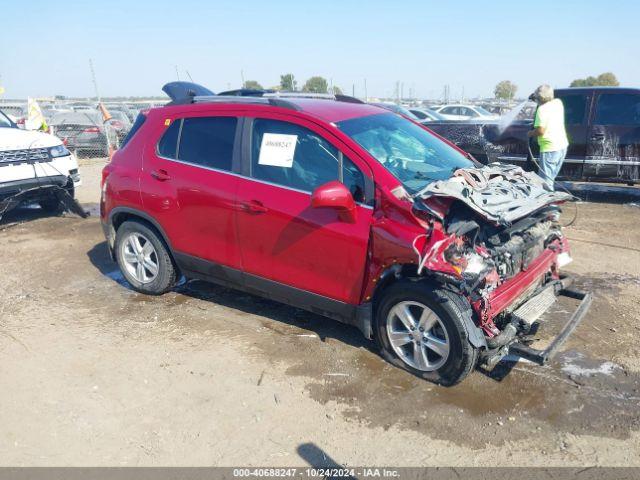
(128, 256)
(449, 310)
(51, 205)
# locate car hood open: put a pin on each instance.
(499, 193)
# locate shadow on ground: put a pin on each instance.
(244, 302)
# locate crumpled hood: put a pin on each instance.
(498, 192)
(18, 139)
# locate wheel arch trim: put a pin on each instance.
(395, 272)
(136, 213)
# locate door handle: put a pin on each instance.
(161, 175)
(254, 206)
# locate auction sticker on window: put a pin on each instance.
(277, 150)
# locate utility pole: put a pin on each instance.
(366, 96)
(242, 77)
(93, 78)
(177, 73)
(353, 89)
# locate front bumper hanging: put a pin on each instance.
(541, 357)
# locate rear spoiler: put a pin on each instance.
(184, 92)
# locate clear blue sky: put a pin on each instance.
(135, 46)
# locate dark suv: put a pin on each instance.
(603, 125)
(344, 209)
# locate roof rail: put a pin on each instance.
(325, 96)
(275, 102)
(246, 92)
(188, 92)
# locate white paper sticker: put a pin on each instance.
(277, 150)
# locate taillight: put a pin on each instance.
(91, 130)
(20, 121)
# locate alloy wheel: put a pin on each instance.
(417, 335)
(140, 258)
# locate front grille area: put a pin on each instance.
(26, 155)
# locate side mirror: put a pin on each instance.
(335, 195)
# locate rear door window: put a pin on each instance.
(575, 107)
(207, 141)
(290, 155)
(618, 109)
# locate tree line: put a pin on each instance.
(506, 89)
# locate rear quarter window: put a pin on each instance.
(618, 109)
(140, 119)
(169, 141)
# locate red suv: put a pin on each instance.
(344, 209)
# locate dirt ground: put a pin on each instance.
(94, 373)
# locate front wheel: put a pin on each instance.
(422, 329)
(51, 205)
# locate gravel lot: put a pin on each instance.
(94, 373)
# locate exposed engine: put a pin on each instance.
(487, 256)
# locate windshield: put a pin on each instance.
(412, 154)
(483, 111)
(435, 115)
(4, 121)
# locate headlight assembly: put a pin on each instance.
(59, 151)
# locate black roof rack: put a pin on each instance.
(188, 92)
(246, 92)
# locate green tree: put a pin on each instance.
(288, 82)
(316, 85)
(606, 79)
(252, 85)
(337, 90)
(505, 90)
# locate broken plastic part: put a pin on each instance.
(69, 203)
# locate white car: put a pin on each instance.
(465, 112)
(34, 167)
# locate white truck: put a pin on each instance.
(35, 167)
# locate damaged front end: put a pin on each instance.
(52, 192)
(494, 234)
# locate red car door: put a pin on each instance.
(188, 188)
(282, 238)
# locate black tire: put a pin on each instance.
(451, 308)
(167, 274)
(51, 205)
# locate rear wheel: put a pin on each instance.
(144, 259)
(422, 329)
